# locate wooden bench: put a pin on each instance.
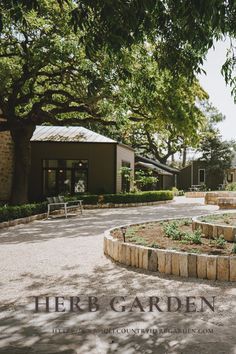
(195, 188)
(226, 202)
(57, 203)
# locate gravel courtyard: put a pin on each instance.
(61, 257)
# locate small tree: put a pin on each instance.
(145, 179)
(217, 154)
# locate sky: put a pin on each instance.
(214, 83)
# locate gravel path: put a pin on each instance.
(61, 257)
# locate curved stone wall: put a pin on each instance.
(212, 197)
(211, 230)
(182, 264)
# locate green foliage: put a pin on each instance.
(172, 230)
(220, 242)
(89, 199)
(16, 212)
(217, 154)
(140, 197)
(193, 237)
(145, 179)
(231, 186)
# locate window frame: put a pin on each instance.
(199, 174)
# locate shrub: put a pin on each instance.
(172, 230)
(231, 186)
(220, 242)
(141, 197)
(21, 211)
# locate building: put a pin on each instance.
(230, 175)
(76, 160)
(166, 176)
(6, 165)
(196, 174)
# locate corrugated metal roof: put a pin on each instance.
(164, 167)
(153, 168)
(68, 134)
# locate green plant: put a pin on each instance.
(154, 245)
(192, 237)
(231, 186)
(172, 230)
(220, 242)
(197, 237)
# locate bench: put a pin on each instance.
(57, 203)
(195, 188)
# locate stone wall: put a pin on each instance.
(6, 165)
(167, 261)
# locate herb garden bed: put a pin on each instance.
(177, 235)
(177, 247)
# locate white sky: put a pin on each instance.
(213, 82)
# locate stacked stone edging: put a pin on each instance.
(57, 212)
(212, 197)
(227, 202)
(183, 264)
(195, 194)
(211, 230)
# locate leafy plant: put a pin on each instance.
(220, 242)
(231, 186)
(154, 245)
(172, 230)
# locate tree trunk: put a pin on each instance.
(184, 157)
(21, 135)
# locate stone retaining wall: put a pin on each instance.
(212, 197)
(213, 230)
(195, 194)
(227, 203)
(171, 262)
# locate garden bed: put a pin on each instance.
(227, 219)
(175, 235)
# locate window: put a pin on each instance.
(201, 176)
(65, 177)
(230, 177)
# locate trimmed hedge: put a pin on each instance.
(141, 197)
(21, 211)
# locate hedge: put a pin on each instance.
(141, 197)
(21, 211)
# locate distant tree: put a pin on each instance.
(216, 153)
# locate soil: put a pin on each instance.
(222, 219)
(153, 235)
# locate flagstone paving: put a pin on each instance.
(61, 257)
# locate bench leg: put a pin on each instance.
(48, 211)
(65, 212)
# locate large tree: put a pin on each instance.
(46, 77)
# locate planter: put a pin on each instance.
(212, 197)
(167, 261)
(211, 230)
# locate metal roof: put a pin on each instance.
(68, 134)
(164, 167)
(152, 167)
